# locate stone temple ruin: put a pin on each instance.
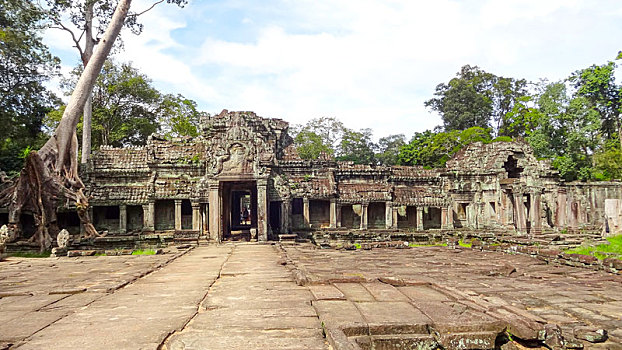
(243, 179)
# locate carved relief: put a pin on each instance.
(239, 160)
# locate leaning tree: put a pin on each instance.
(51, 174)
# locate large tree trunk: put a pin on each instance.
(86, 130)
(88, 107)
(52, 173)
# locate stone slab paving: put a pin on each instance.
(454, 291)
(138, 316)
(255, 304)
(35, 293)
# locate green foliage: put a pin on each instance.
(26, 64)
(45, 254)
(310, 145)
(357, 147)
(178, 116)
(144, 252)
(434, 149)
(127, 108)
(319, 135)
(608, 162)
(389, 149)
(601, 251)
(464, 244)
(475, 98)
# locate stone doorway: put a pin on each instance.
(239, 204)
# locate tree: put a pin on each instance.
(87, 21)
(179, 116)
(125, 105)
(26, 64)
(310, 145)
(127, 108)
(318, 135)
(52, 172)
(357, 147)
(475, 98)
(597, 84)
(389, 149)
(433, 149)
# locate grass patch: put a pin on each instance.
(144, 252)
(613, 248)
(30, 255)
(427, 244)
(464, 244)
(357, 245)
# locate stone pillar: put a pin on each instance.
(388, 215)
(333, 213)
(338, 209)
(123, 218)
(450, 217)
(205, 219)
(262, 210)
(536, 215)
(305, 213)
(364, 216)
(149, 216)
(196, 216)
(177, 214)
(444, 218)
(214, 212)
(286, 212)
(562, 199)
(519, 209)
(419, 218)
(394, 213)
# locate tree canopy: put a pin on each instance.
(127, 108)
(26, 64)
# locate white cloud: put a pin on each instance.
(370, 63)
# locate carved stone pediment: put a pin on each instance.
(240, 143)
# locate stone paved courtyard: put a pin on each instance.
(265, 296)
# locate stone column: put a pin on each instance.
(214, 212)
(123, 218)
(419, 218)
(444, 218)
(333, 213)
(535, 214)
(388, 215)
(394, 212)
(205, 219)
(338, 215)
(450, 217)
(562, 199)
(519, 208)
(196, 216)
(262, 210)
(177, 214)
(364, 216)
(149, 216)
(286, 212)
(305, 213)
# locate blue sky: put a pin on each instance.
(371, 64)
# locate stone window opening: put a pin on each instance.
(186, 214)
(297, 206)
(511, 167)
(462, 211)
(112, 212)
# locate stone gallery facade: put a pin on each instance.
(242, 177)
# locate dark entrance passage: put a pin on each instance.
(275, 217)
(239, 204)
